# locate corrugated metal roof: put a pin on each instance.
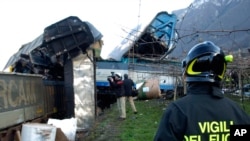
(25, 49)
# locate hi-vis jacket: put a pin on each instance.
(202, 115)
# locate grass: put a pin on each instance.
(137, 127)
(244, 102)
(141, 126)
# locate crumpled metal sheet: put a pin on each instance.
(84, 89)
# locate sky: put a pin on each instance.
(24, 20)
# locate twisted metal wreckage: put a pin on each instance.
(66, 52)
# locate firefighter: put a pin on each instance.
(204, 113)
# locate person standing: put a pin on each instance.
(117, 85)
(204, 113)
(128, 85)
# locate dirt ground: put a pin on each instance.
(109, 128)
(106, 128)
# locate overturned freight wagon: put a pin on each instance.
(65, 53)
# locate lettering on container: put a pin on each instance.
(17, 93)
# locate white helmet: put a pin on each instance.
(118, 75)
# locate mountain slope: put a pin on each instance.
(225, 22)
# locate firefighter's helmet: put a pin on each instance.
(205, 62)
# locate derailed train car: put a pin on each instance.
(152, 41)
(64, 58)
(145, 44)
(140, 71)
(57, 70)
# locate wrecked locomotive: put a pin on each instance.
(145, 45)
